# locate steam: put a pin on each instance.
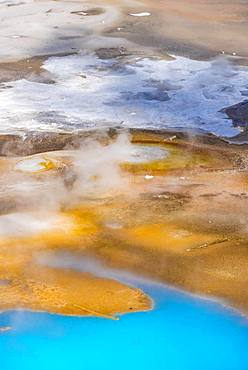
(37, 197)
(97, 167)
(16, 224)
(92, 266)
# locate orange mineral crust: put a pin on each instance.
(170, 209)
(68, 293)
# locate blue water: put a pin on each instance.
(181, 333)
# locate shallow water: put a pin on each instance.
(181, 333)
(135, 92)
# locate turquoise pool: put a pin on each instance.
(181, 333)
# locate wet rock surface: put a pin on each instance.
(238, 113)
(131, 88)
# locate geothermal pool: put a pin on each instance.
(164, 199)
(182, 332)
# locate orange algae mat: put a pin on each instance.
(161, 209)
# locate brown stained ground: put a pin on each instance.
(198, 29)
(29, 68)
(186, 226)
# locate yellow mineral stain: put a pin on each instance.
(58, 290)
(166, 237)
(35, 165)
(177, 228)
(60, 230)
(179, 157)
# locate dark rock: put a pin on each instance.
(89, 12)
(238, 113)
(109, 53)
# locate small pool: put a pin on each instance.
(181, 333)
